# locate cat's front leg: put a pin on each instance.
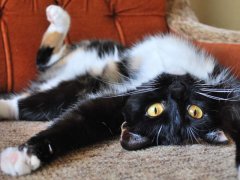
(17, 162)
(91, 121)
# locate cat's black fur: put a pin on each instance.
(91, 108)
(52, 103)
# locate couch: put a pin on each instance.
(22, 23)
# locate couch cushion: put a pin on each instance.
(23, 23)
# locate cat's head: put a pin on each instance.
(172, 110)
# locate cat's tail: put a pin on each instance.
(52, 48)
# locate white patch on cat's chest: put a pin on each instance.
(169, 54)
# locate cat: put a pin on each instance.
(161, 91)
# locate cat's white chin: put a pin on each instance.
(16, 163)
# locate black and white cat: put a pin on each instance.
(161, 91)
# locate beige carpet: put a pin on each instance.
(108, 160)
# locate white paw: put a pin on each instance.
(58, 17)
(217, 136)
(8, 109)
(17, 163)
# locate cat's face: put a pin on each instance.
(170, 113)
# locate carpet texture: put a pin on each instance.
(107, 160)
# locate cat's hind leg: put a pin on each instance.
(52, 48)
(9, 107)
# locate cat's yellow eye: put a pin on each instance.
(195, 112)
(155, 110)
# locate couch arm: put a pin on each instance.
(182, 20)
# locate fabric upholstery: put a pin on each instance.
(23, 22)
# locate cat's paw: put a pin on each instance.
(8, 109)
(216, 137)
(59, 18)
(17, 162)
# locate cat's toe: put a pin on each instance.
(58, 17)
(17, 162)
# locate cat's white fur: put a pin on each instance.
(157, 55)
(80, 62)
(173, 55)
(58, 18)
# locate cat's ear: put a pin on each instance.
(216, 137)
(132, 141)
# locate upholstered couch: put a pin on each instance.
(22, 23)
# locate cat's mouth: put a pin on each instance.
(132, 141)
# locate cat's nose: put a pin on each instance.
(178, 90)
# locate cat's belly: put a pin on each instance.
(79, 63)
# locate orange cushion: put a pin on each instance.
(23, 22)
(227, 54)
(22, 25)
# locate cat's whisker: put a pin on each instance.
(236, 98)
(193, 133)
(228, 79)
(146, 86)
(123, 76)
(60, 106)
(108, 82)
(186, 133)
(46, 115)
(189, 134)
(132, 93)
(218, 90)
(158, 134)
(196, 129)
